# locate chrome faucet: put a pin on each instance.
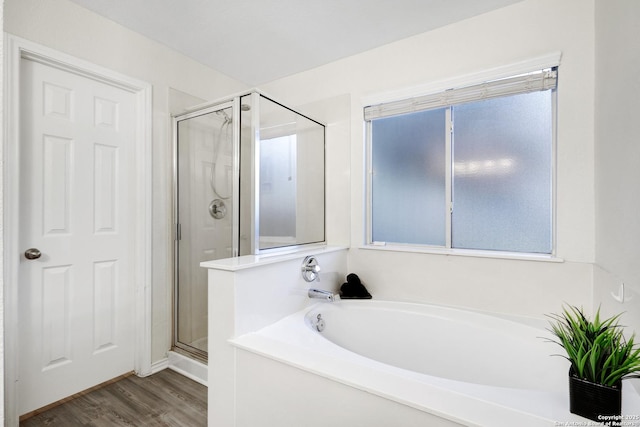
(321, 294)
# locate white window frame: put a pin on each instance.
(524, 67)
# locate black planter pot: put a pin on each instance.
(592, 400)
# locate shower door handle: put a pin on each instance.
(32, 253)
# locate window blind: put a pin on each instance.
(536, 81)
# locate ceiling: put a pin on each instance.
(257, 41)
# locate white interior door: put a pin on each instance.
(76, 301)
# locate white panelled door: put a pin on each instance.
(75, 301)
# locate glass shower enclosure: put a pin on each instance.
(248, 178)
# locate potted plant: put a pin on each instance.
(600, 359)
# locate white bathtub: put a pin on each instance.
(470, 368)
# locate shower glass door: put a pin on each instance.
(204, 215)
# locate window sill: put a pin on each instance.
(463, 252)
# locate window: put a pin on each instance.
(468, 168)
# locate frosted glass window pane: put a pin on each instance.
(278, 190)
(408, 182)
(502, 174)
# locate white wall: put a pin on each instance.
(64, 26)
(617, 105)
(519, 32)
(1, 216)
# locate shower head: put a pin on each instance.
(227, 118)
(223, 113)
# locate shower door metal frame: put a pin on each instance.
(234, 104)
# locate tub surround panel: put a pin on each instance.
(264, 289)
(249, 293)
(313, 401)
(221, 362)
(527, 288)
(269, 293)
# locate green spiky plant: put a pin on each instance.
(597, 349)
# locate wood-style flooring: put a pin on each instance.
(162, 399)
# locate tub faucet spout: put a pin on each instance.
(321, 294)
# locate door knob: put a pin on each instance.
(32, 253)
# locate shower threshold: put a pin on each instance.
(188, 366)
